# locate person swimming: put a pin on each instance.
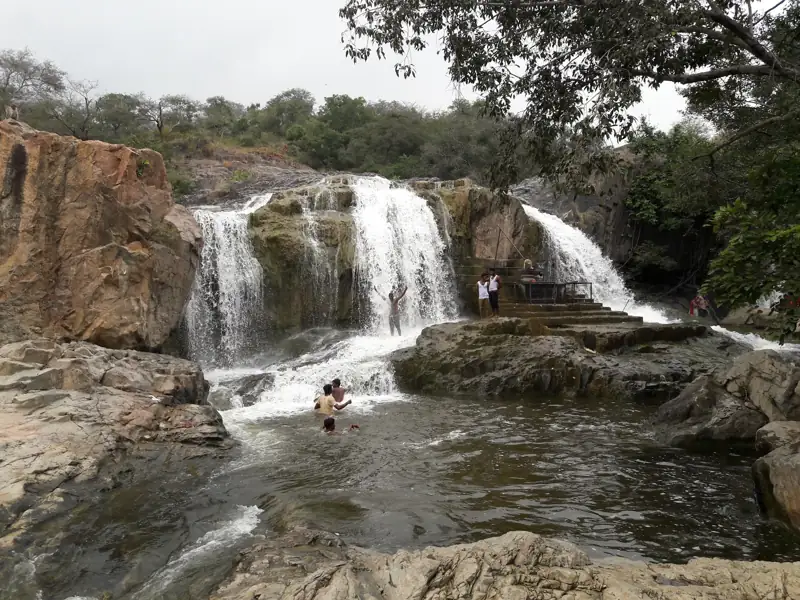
(329, 426)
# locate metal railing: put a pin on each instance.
(548, 292)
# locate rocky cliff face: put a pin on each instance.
(304, 240)
(480, 223)
(309, 565)
(92, 246)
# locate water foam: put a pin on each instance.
(228, 289)
(756, 342)
(578, 258)
(399, 244)
(361, 362)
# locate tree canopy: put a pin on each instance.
(580, 65)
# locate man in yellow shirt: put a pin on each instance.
(326, 403)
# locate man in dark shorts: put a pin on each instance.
(394, 309)
(494, 292)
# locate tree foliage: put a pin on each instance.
(340, 133)
(580, 65)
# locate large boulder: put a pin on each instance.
(92, 246)
(520, 565)
(733, 403)
(481, 223)
(305, 243)
(515, 356)
(75, 418)
(777, 478)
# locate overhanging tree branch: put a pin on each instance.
(761, 70)
(752, 129)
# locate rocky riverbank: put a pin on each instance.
(77, 418)
(511, 356)
(754, 402)
(312, 565)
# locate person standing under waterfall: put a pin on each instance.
(494, 292)
(338, 390)
(483, 296)
(394, 308)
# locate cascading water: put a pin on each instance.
(320, 268)
(577, 258)
(399, 245)
(228, 287)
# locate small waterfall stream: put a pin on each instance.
(576, 257)
(228, 287)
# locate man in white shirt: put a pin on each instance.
(483, 296)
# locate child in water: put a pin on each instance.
(329, 426)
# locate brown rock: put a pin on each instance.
(777, 477)
(91, 409)
(776, 434)
(92, 246)
(310, 565)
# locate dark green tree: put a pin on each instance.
(580, 65)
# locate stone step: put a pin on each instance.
(548, 308)
(577, 320)
(565, 314)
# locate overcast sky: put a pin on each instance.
(245, 50)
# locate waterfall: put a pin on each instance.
(227, 294)
(320, 268)
(578, 258)
(398, 244)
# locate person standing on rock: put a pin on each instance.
(494, 292)
(483, 296)
(326, 403)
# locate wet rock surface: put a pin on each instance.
(512, 356)
(756, 401)
(311, 565)
(92, 246)
(76, 418)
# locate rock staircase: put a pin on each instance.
(579, 310)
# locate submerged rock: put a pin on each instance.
(75, 418)
(311, 565)
(92, 246)
(513, 356)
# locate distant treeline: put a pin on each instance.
(343, 133)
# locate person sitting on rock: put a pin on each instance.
(329, 426)
(326, 403)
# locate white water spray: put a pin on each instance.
(578, 258)
(227, 293)
(398, 244)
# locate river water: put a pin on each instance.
(421, 470)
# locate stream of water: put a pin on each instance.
(421, 470)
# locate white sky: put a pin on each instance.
(245, 50)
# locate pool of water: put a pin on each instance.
(420, 471)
